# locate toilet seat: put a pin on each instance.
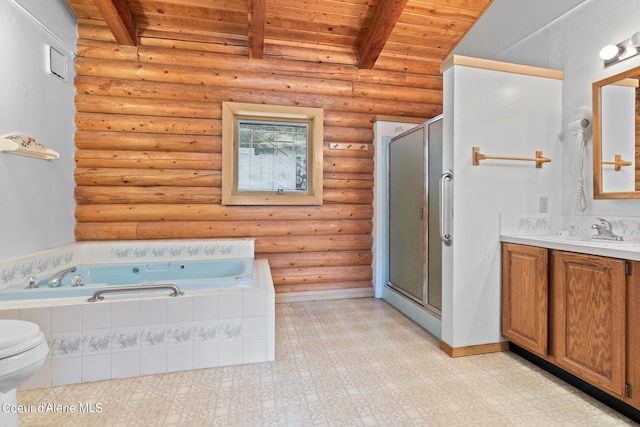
(18, 336)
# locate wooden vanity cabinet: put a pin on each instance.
(588, 295)
(632, 390)
(525, 297)
(579, 312)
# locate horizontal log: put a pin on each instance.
(284, 276)
(224, 229)
(147, 159)
(345, 134)
(349, 120)
(147, 107)
(369, 90)
(198, 229)
(95, 30)
(371, 105)
(94, 43)
(349, 176)
(347, 195)
(237, 229)
(148, 177)
(133, 195)
(107, 231)
(129, 123)
(147, 141)
(210, 212)
(347, 184)
(328, 286)
(123, 87)
(317, 259)
(204, 76)
(280, 244)
(348, 165)
(100, 86)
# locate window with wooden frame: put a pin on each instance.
(271, 154)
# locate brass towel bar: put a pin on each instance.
(477, 156)
(618, 162)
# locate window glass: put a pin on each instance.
(272, 156)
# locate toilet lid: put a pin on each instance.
(17, 336)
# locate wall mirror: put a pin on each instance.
(616, 136)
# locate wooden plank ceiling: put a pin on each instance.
(413, 30)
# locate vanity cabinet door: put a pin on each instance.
(588, 322)
(525, 297)
(633, 335)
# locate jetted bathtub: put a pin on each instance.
(223, 312)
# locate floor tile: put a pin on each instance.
(353, 362)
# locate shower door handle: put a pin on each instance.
(446, 238)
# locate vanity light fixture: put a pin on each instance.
(614, 53)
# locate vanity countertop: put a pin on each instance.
(624, 250)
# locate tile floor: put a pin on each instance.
(355, 362)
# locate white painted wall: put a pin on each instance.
(504, 114)
(525, 32)
(36, 195)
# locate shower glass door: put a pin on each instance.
(407, 210)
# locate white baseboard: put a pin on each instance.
(324, 295)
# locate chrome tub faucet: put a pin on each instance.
(56, 279)
(605, 231)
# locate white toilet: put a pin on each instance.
(23, 348)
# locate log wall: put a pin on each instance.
(148, 159)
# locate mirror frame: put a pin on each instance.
(597, 138)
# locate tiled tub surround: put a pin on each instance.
(124, 335)
(573, 233)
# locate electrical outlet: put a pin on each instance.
(544, 204)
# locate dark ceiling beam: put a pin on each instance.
(256, 28)
(386, 15)
(119, 18)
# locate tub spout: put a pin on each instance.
(56, 279)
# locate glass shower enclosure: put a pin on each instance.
(415, 237)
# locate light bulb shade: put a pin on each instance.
(635, 40)
(609, 52)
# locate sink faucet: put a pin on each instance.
(605, 231)
(56, 279)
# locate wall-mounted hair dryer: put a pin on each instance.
(579, 125)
